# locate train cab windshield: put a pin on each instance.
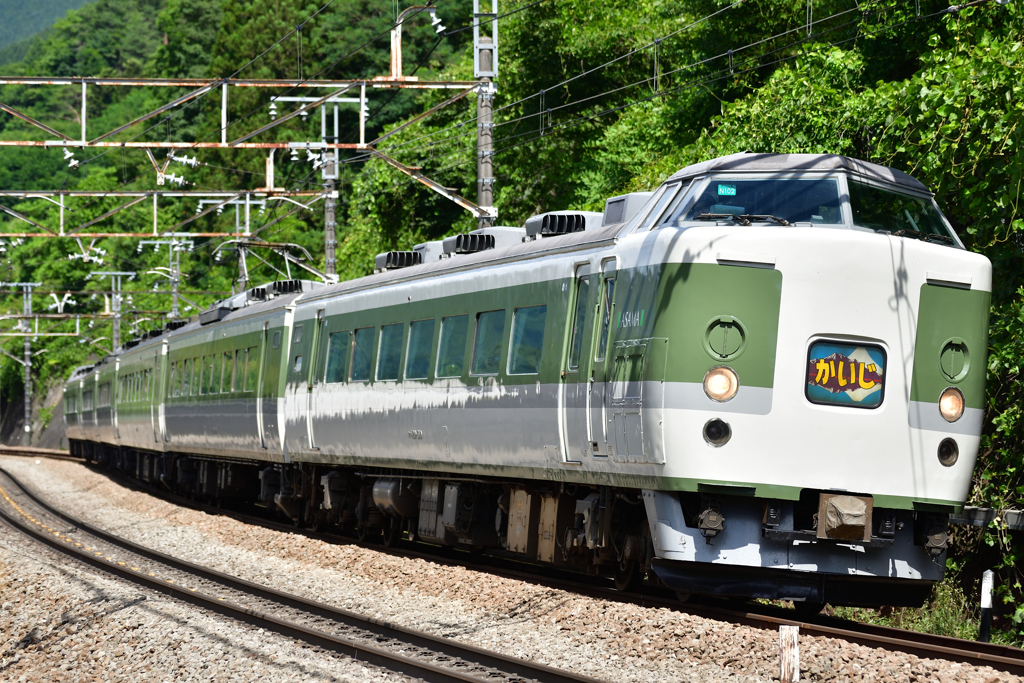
(780, 200)
(800, 202)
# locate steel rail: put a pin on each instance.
(1003, 657)
(378, 627)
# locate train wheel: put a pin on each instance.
(393, 533)
(808, 609)
(627, 578)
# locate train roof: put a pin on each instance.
(747, 162)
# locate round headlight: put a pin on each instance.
(948, 453)
(721, 383)
(951, 404)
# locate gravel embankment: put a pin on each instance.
(594, 637)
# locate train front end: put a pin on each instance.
(822, 406)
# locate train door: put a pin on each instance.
(266, 389)
(575, 385)
(601, 370)
(315, 374)
(163, 392)
(155, 391)
(117, 396)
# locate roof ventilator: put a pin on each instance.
(286, 286)
(468, 244)
(175, 324)
(257, 294)
(392, 260)
(556, 223)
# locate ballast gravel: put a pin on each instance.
(63, 621)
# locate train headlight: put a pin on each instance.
(951, 404)
(721, 383)
(948, 453)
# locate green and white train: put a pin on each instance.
(764, 379)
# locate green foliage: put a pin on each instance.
(22, 20)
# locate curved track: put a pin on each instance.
(1000, 657)
(376, 642)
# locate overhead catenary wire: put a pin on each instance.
(716, 76)
(725, 72)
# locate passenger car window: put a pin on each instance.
(252, 368)
(487, 343)
(417, 357)
(238, 378)
(362, 355)
(215, 370)
(527, 340)
(337, 356)
(186, 378)
(390, 355)
(451, 353)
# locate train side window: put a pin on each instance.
(607, 301)
(104, 395)
(252, 369)
(186, 378)
(578, 318)
(216, 360)
(197, 375)
(417, 357)
(362, 355)
(228, 372)
(172, 387)
(87, 400)
(389, 356)
(451, 353)
(337, 356)
(527, 340)
(202, 375)
(238, 376)
(487, 343)
(277, 339)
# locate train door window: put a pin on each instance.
(362, 355)
(252, 368)
(104, 395)
(87, 400)
(578, 318)
(389, 357)
(607, 302)
(297, 335)
(490, 327)
(337, 356)
(172, 387)
(417, 357)
(297, 366)
(451, 353)
(277, 339)
(238, 373)
(69, 404)
(527, 340)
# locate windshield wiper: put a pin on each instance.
(923, 236)
(722, 216)
(765, 217)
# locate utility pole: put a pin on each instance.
(26, 328)
(115, 303)
(176, 246)
(485, 68)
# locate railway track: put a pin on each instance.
(926, 645)
(370, 640)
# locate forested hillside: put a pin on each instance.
(23, 20)
(593, 99)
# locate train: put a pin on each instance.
(763, 379)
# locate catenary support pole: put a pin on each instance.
(27, 310)
(485, 135)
